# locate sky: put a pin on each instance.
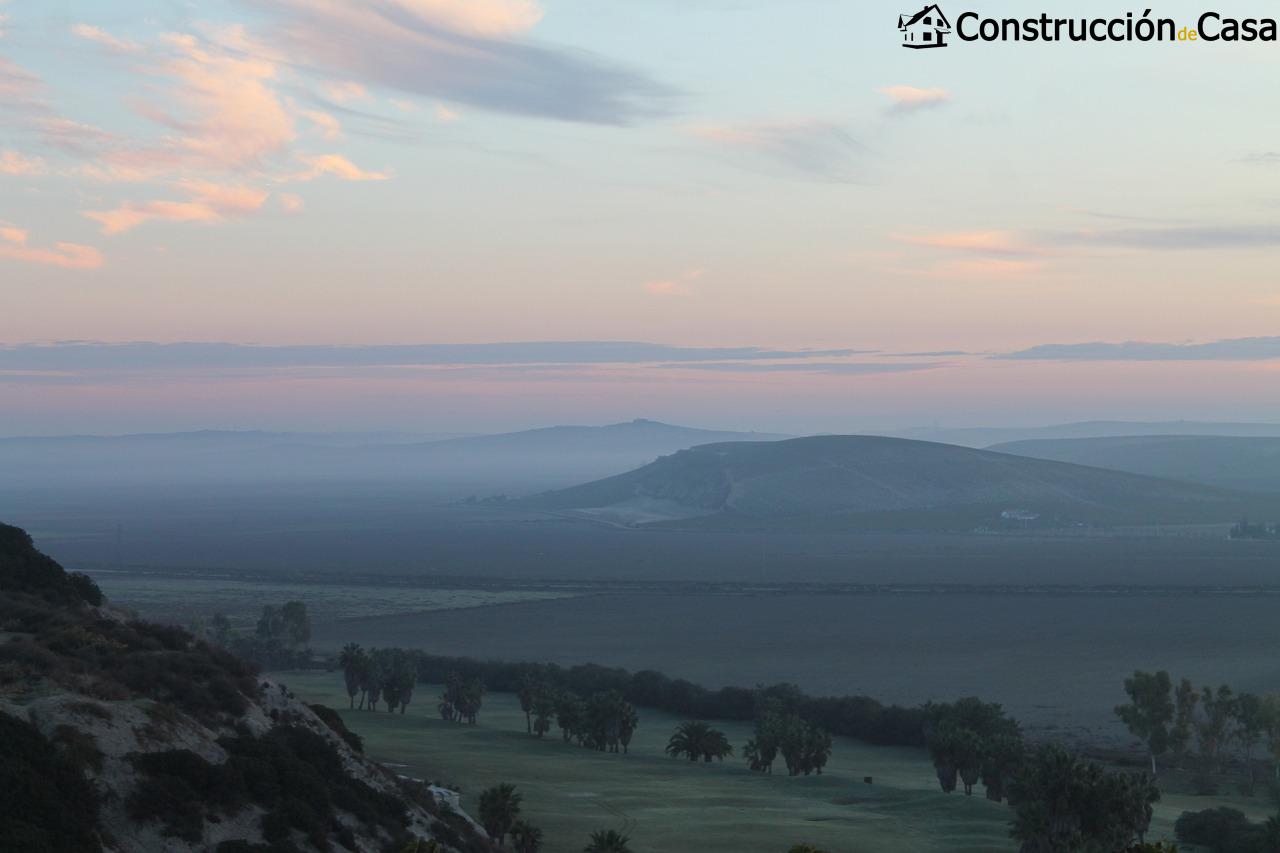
(471, 215)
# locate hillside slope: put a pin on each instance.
(121, 736)
(1251, 464)
(889, 483)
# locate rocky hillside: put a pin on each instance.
(890, 483)
(117, 735)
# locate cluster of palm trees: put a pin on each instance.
(805, 748)
(971, 740)
(696, 739)
(461, 699)
(604, 721)
(378, 675)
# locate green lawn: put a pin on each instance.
(671, 806)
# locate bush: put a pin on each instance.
(46, 806)
(333, 720)
(1222, 830)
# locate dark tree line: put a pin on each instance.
(858, 717)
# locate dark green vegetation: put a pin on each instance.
(1064, 805)
(46, 806)
(1228, 830)
(1251, 464)
(593, 704)
(291, 773)
(869, 482)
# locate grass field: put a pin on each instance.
(183, 599)
(671, 806)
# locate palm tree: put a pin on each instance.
(696, 740)
(526, 837)
(499, 808)
(352, 659)
(607, 841)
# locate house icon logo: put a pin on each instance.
(926, 28)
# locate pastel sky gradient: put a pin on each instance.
(817, 229)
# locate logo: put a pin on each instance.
(926, 28)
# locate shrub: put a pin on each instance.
(46, 806)
(1222, 830)
(333, 720)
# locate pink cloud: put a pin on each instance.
(207, 202)
(677, 286)
(106, 39)
(977, 242)
(15, 164)
(15, 245)
(337, 166)
(329, 127)
(290, 203)
(445, 114)
(346, 91)
(913, 98)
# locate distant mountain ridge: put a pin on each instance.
(514, 462)
(1250, 464)
(877, 482)
(990, 436)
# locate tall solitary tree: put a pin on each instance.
(1149, 711)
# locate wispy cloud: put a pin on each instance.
(844, 368)
(463, 51)
(336, 166)
(999, 243)
(15, 245)
(329, 127)
(808, 148)
(913, 99)
(1185, 238)
(185, 356)
(106, 39)
(679, 285)
(206, 202)
(14, 163)
(1236, 349)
